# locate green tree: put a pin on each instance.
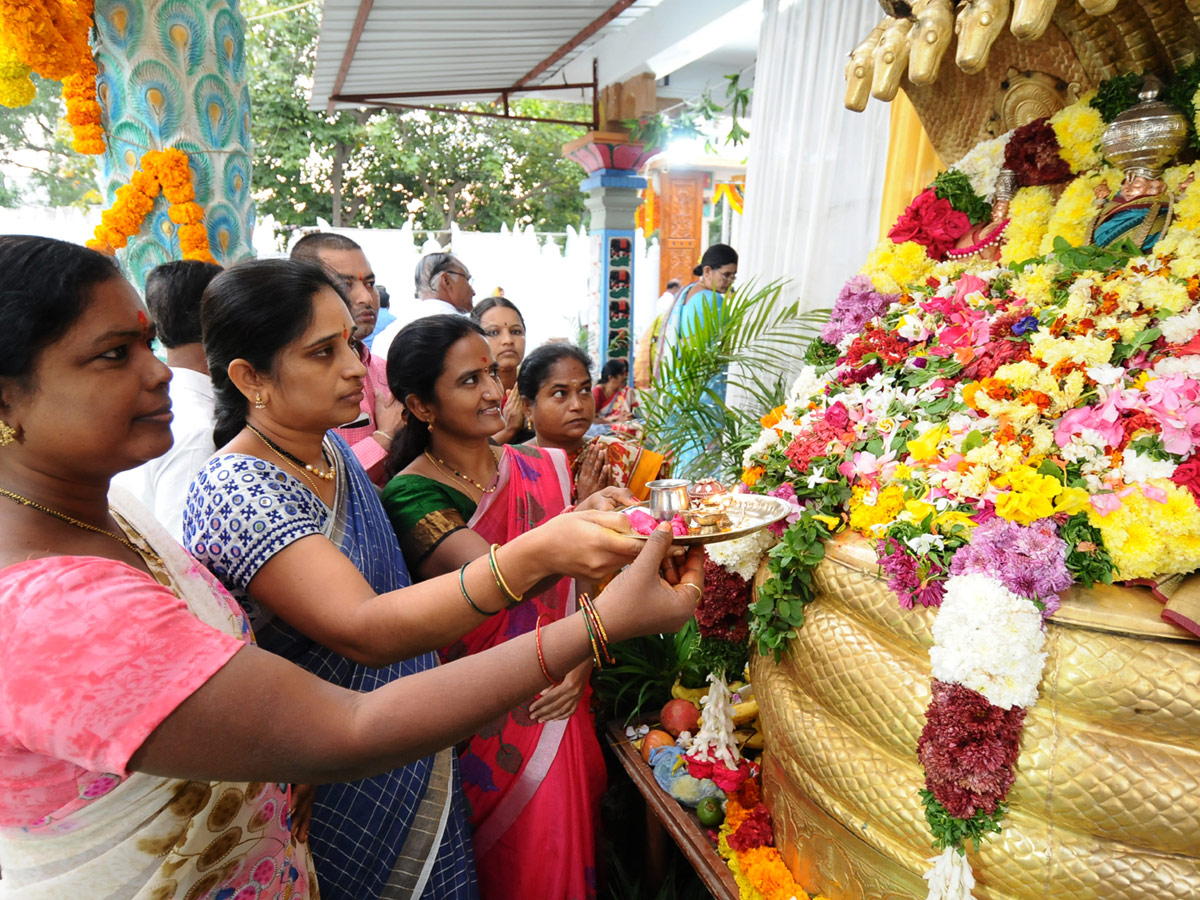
(37, 164)
(376, 167)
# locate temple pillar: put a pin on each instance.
(174, 75)
(612, 162)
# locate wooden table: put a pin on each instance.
(666, 816)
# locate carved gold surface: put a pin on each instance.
(1107, 798)
(1078, 43)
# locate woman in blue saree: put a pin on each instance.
(696, 303)
(289, 522)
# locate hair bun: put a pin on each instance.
(698, 271)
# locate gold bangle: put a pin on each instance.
(380, 433)
(512, 599)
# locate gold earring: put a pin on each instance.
(8, 434)
(259, 403)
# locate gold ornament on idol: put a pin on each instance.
(71, 520)
(8, 434)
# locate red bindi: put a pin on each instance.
(345, 334)
(144, 321)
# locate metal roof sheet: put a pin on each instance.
(454, 45)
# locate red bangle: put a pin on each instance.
(537, 631)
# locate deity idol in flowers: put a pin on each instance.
(984, 240)
(1142, 141)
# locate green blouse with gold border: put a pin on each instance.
(423, 513)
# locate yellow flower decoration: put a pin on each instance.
(924, 448)
(1077, 208)
(893, 266)
(1148, 538)
(16, 87)
(1029, 217)
(1078, 128)
(870, 507)
(1032, 495)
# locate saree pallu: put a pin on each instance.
(145, 837)
(533, 788)
(402, 833)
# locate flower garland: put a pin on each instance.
(50, 37)
(1029, 218)
(746, 842)
(164, 171)
(1078, 128)
(16, 87)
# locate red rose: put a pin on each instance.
(931, 222)
(1187, 475)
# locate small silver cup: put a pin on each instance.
(668, 496)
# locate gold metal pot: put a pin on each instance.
(1106, 804)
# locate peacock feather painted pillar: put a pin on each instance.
(173, 74)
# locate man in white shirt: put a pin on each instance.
(663, 303)
(443, 285)
(173, 293)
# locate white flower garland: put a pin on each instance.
(742, 556)
(990, 640)
(951, 877)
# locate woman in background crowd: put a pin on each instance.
(557, 388)
(146, 744)
(615, 403)
(533, 779)
(504, 327)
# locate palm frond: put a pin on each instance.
(747, 342)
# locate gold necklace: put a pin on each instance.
(70, 520)
(295, 460)
(296, 465)
(443, 465)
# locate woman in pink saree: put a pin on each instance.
(533, 777)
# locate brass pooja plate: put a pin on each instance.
(748, 513)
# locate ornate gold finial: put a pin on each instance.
(1147, 136)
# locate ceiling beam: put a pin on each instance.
(360, 22)
(599, 22)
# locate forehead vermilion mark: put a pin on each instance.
(345, 333)
(143, 321)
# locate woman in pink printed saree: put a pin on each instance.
(533, 777)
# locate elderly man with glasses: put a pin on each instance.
(443, 285)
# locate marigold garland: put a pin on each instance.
(16, 87)
(51, 38)
(164, 171)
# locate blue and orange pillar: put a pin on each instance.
(613, 184)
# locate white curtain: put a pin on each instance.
(815, 177)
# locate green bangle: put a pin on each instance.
(462, 586)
